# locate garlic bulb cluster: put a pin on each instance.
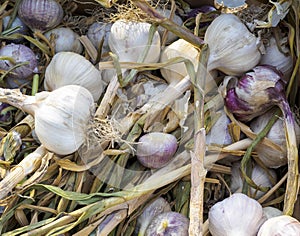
(64, 40)
(158, 206)
(156, 149)
(280, 226)
(171, 37)
(237, 215)
(40, 15)
(129, 39)
(180, 48)
(271, 157)
(98, 31)
(68, 68)
(233, 48)
(275, 57)
(259, 176)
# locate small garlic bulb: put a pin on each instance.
(96, 32)
(233, 48)
(271, 157)
(237, 215)
(271, 212)
(71, 68)
(280, 226)
(180, 48)
(171, 37)
(65, 40)
(128, 39)
(278, 59)
(259, 176)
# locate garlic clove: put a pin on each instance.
(259, 176)
(65, 40)
(180, 48)
(237, 215)
(40, 15)
(151, 210)
(76, 70)
(156, 149)
(128, 39)
(233, 48)
(280, 226)
(62, 117)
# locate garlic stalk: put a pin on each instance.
(233, 48)
(61, 116)
(261, 177)
(67, 68)
(280, 226)
(237, 215)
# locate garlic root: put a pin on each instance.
(29, 164)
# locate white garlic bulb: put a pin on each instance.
(233, 48)
(65, 40)
(237, 215)
(274, 57)
(171, 37)
(271, 157)
(270, 212)
(128, 39)
(180, 48)
(71, 68)
(259, 176)
(280, 226)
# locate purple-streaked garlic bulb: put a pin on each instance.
(254, 93)
(279, 58)
(19, 53)
(154, 208)
(280, 226)
(40, 15)
(237, 215)
(98, 31)
(156, 149)
(271, 157)
(261, 177)
(64, 40)
(168, 224)
(17, 23)
(203, 9)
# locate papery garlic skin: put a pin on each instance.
(62, 117)
(259, 176)
(68, 68)
(280, 226)
(128, 39)
(180, 48)
(233, 48)
(237, 215)
(65, 40)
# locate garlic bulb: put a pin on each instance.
(237, 215)
(71, 68)
(40, 14)
(171, 37)
(271, 212)
(280, 226)
(64, 39)
(180, 48)
(96, 32)
(128, 39)
(61, 117)
(259, 176)
(153, 209)
(271, 157)
(17, 22)
(274, 57)
(233, 49)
